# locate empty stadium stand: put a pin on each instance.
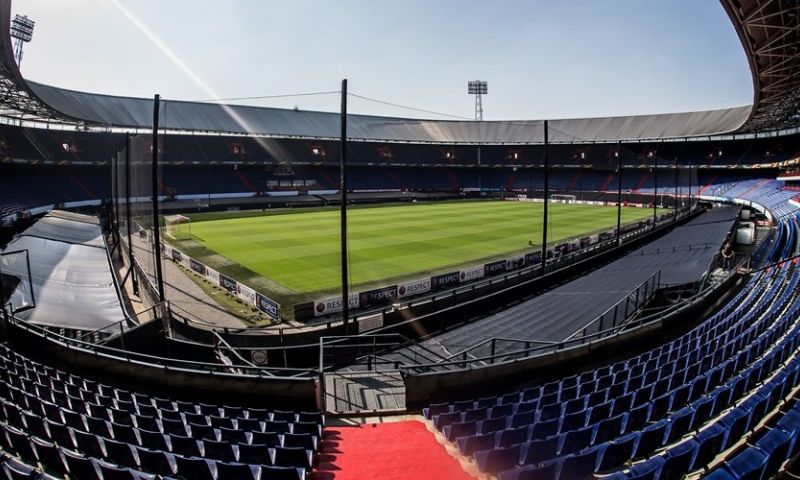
(61, 424)
(665, 412)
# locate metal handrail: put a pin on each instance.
(775, 264)
(530, 352)
(649, 293)
(493, 341)
(127, 320)
(127, 356)
(678, 248)
(235, 353)
(343, 338)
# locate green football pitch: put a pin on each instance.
(299, 251)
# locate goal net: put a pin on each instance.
(177, 227)
(558, 198)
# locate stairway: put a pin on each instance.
(348, 393)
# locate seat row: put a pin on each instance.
(674, 355)
(746, 334)
(93, 431)
(60, 387)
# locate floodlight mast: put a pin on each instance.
(21, 32)
(478, 88)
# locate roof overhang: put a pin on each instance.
(770, 34)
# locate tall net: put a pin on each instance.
(141, 193)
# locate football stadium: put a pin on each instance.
(200, 289)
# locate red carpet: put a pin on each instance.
(386, 451)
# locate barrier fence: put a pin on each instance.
(248, 295)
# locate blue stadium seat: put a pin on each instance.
(192, 467)
(749, 464)
(272, 472)
(550, 412)
(600, 411)
(576, 440)
(775, 443)
(546, 471)
(710, 441)
(473, 443)
(185, 446)
(88, 444)
(545, 429)
(235, 471)
(491, 425)
(720, 473)
(614, 454)
(511, 436)
(292, 457)
(737, 422)
(153, 440)
(678, 460)
(679, 423)
(257, 454)
(80, 466)
(652, 437)
(637, 417)
(497, 459)
(305, 440)
(522, 419)
(579, 465)
(459, 429)
(610, 429)
(648, 470)
(49, 457)
(538, 451)
(119, 453)
(573, 421)
(154, 462)
(222, 451)
(475, 414)
(270, 439)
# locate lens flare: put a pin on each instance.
(194, 77)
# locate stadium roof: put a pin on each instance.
(770, 33)
(768, 28)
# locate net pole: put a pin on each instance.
(115, 201)
(677, 193)
(128, 223)
(343, 208)
(156, 222)
(619, 192)
(546, 192)
(655, 188)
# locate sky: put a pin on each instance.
(541, 58)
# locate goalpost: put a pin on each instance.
(559, 198)
(178, 227)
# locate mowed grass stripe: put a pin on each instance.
(301, 251)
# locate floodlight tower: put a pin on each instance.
(478, 88)
(21, 32)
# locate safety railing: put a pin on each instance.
(531, 349)
(624, 310)
(366, 351)
(119, 327)
(153, 360)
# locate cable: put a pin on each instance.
(264, 97)
(407, 107)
